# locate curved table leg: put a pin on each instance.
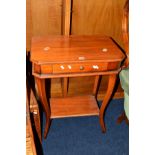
(42, 95)
(111, 84)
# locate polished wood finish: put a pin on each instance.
(74, 106)
(78, 67)
(65, 86)
(122, 117)
(46, 69)
(44, 17)
(111, 84)
(98, 17)
(96, 52)
(66, 16)
(30, 143)
(66, 20)
(42, 94)
(28, 25)
(47, 76)
(74, 49)
(34, 109)
(101, 17)
(96, 85)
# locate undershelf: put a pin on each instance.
(74, 106)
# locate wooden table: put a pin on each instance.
(73, 56)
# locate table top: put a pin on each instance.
(85, 48)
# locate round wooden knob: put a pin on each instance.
(81, 67)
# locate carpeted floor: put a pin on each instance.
(83, 136)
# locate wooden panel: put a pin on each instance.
(43, 18)
(74, 106)
(46, 17)
(28, 25)
(98, 17)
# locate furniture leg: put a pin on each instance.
(111, 84)
(42, 95)
(65, 86)
(96, 84)
(122, 117)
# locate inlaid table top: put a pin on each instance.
(58, 49)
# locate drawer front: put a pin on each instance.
(46, 69)
(79, 68)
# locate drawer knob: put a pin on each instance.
(62, 67)
(95, 67)
(69, 66)
(81, 67)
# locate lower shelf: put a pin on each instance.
(74, 106)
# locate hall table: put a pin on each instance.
(73, 56)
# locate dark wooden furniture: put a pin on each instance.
(30, 140)
(33, 124)
(33, 103)
(34, 110)
(72, 56)
(30, 143)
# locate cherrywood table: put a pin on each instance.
(73, 56)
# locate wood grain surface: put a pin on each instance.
(74, 106)
(28, 25)
(98, 17)
(66, 16)
(30, 139)
(68, 49)
(44, 17)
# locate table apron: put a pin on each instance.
(48, 76)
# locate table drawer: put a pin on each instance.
(46, 69)
(81, 67)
